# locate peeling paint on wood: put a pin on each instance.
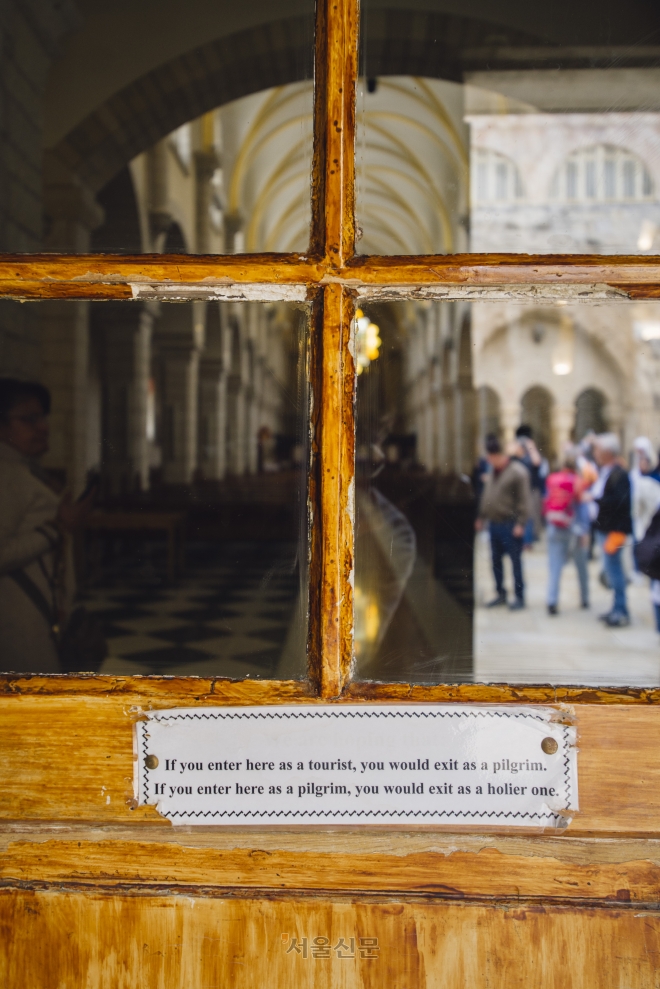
(225, 292)
(161, 691)
(546, 277)
(540, 293)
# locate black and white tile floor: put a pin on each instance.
(234, 613)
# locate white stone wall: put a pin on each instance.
(516, 346)
(538, 145)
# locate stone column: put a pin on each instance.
(434, 412)
(426, 420)
(213, 396)
(180, 339)
(234, 223)
(465, 401)
(510, 419)
(235, 425)
(206, 162)
(563, 422)
(160, 216)
(446, 417)
(72, 214)
(238, 391)
(465, 427)
(125, 332)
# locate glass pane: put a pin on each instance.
(532, 129)
(187, 426)
(150, 128)
(538, 421)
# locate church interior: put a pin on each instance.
(169, 129)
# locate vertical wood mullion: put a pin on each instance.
(333, 179)
(332, 492)
(332, 371)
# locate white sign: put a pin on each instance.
(358, 764)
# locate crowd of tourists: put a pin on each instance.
(594, 503)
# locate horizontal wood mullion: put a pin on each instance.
(168, 691)
(503, 269)
(106, 276)
(98, 276)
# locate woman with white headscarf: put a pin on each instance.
(645, 487)
(645, 503)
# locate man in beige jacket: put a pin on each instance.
(506, 506)
(34, 521)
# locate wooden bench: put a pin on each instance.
(171, 523)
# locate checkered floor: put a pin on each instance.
(235, 613)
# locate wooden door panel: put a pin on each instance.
(120, 941)
(69, 755)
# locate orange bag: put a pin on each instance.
(614, 542)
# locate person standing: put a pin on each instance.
(537, 466)
(567, 529)
(36, 565)
(613, 522)
(645, 487)
(506, 507)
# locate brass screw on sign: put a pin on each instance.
(549, 746)
(151, 761)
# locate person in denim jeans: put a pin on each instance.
(506, 506)
(613, 522)
(567, 529)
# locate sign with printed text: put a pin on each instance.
(358, 764)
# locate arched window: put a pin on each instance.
(495, 179)
(590, 413)
(602, 173)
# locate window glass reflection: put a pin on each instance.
(154, 465)
(158, 126)
(507, 467)
(524, 131)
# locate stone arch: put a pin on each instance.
(536, 410)
(590, 413)
(399, 42)
(182, 89)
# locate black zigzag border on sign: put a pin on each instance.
(567, 766)
(314, 814)
(145, 772)
(289, 715)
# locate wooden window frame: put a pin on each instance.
(331, 277)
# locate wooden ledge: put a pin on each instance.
(454, 866)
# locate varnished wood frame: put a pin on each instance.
(330, 276)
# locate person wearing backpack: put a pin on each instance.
(567, 528)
